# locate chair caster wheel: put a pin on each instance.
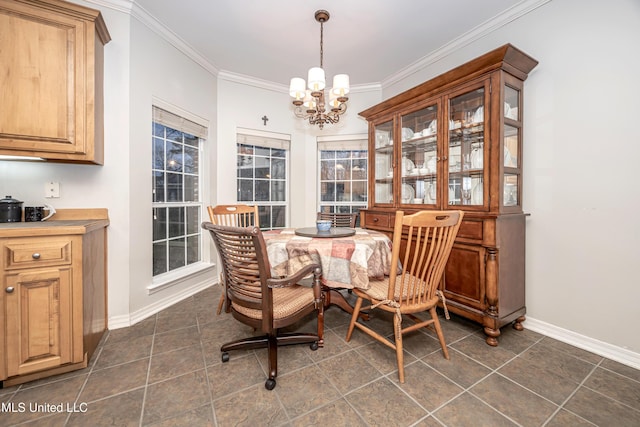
(270, 384)
(314, 346)
(225, 357)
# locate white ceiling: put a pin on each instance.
(370, 40)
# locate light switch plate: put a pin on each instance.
(52, 190)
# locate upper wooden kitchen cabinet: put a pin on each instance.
(51, 80)
(455, 142)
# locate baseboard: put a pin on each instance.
(610, 351)
(601, 348)
(117, 322)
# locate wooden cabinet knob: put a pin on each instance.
(9, 289)
(35, 256)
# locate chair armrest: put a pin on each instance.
(296, 277)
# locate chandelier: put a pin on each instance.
(311, 101)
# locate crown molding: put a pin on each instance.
(139, 13)
(244, 79)
(119, 5)
(278, 87)
(474, 34)
(136, 11)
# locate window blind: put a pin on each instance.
(263, 139)
(176, 122)
(347, 142)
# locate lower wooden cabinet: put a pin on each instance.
(53, 306)
(484, 277)
(38, 321)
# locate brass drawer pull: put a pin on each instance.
(9, 289)
(35, 256)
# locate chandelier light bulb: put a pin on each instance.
(309, 102)
(341, 84)
(316, 79)
(297, 88)
(333, 100)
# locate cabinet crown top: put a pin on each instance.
(507, 57)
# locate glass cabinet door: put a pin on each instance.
(383, 133)
(511, 147)
(466, 149)
(419, 150)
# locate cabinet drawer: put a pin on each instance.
(471, 229)
(378, 220)
(36, 252)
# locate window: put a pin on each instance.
(262, 175)
(342, 174)
(177, 206)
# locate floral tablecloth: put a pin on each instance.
(347, 262)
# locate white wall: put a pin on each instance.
(242, 105)
(580, 162)
(159, 70)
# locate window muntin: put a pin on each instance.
(176, 197)
(262, 164)
(342, 177)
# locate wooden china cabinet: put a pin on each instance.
(455, 142)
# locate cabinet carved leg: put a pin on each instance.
(491, 291)
(492, 335)
(518, 323)
(491, 296)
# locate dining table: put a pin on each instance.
(349, 258)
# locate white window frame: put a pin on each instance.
(273, 140)
(336, 143)
(197, 126)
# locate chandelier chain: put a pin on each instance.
(321, 43)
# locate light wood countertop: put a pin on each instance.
(65, 221)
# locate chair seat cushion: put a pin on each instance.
(380, 288)
(286, 301)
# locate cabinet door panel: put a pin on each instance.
(464, 276)
(51, 80)
(383, 164)
(42, 76)
(38, 320)
(466, 150)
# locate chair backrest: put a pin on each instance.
(245, 268)
(340, 219)
(429, 239)
(234, 215)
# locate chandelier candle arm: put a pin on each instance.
(309, 100)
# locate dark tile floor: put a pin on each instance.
(166, 371)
